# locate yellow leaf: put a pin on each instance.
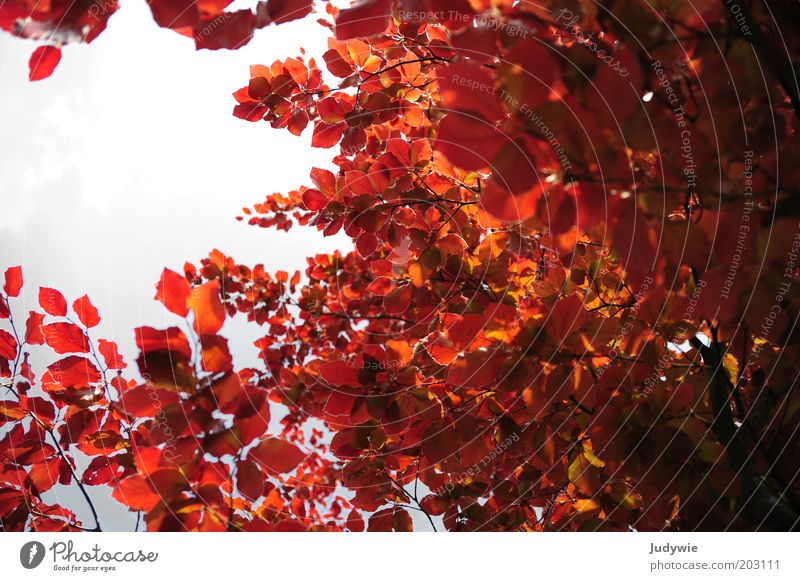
(731, 365)
(588, 452)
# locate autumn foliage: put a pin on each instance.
(570, 302)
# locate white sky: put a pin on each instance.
(128, 160)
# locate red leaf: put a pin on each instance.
(173, 290)
(363, 18)
(440, 348)
(277, 455)
(475, 369)
(13, 281)
(171, 339)
(43, 62)
(144, 401)
(354, 521)
(390, 519)
(33, 329)
(401, 521)
(327, 135)
(501, 203)
(398, 301)
(435, 505)
(8, 345)
(169, 482)
(567, 316)
(209, 313)
(314, 200)
(10, 412)
(514, 169)
(230, 30)
(86, 312)
(333, 110)
(366, 244)
(280, 11)
(111, 356)
(43, 409)
(381, 286)
(298, 122)
(71, 372)
(468, 142)
(439, 443)
(53, 302)
(175, 13)
(252, 112)
(339, 408)
(381, 521)
(336, 64)
(65, 338)
(527, 73)
(339, 373)
(470, 89)
(633, 239)
(101, 470)
(249, 479)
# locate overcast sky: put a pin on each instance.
(128, 160)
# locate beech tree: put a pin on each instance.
(570, 303)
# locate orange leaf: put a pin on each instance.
(216, 357)
(209, 313)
